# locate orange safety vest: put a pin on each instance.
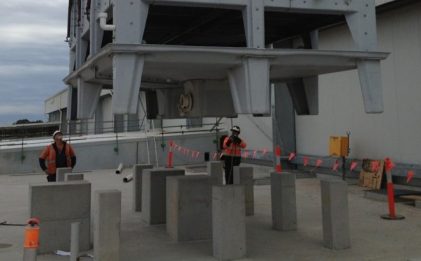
(233, 149)
(49, 154)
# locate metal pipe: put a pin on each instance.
(182, 132)
(103, 22)
(185, 126)
(74, 241)
(119, 169)
(156, 152)
(128, 178)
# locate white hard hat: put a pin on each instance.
(57, 132)
(236, 128)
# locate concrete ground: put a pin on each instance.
(372, 237)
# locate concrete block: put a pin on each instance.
(73, 176)
(228, 222)
(107, 222)
(154, 194)
(61, 172)
(138, 170)
(244, 176)
(418, 203)
(57, 205)
(335, 214)
(284, 206)
(55, 235)
(189, 211)
(215, 170)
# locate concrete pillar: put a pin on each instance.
(284, 208)
(58, 205)
(215, 170)
(74, 241)
(73, 176)
(335, 214)
(189, 212)
(137, 185)
(107, 221)
(228, 222)
(244, 176)
(154, 194)
(61, 172)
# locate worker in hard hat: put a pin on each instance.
(232, 153)
(59, 154)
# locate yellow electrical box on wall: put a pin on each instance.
(338, 146)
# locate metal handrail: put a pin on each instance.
(25, 132)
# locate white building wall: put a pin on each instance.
(397, 132)
(56, 102)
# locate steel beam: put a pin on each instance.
(254, 24)
(362, 25)
(96, 34)
(127, 77)
(305, 91)
(130, 20)
(313, 6)
(249, 85)
(88, 97)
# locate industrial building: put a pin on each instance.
(392, 133)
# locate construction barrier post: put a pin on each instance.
(170, 155)
(278, 167)
(390, 193)
(31, 241)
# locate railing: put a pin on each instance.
(22, 135)
(72, 129)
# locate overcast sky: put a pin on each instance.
(33, 56)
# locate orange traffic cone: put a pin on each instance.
(31, 242)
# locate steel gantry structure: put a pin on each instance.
(199, 58)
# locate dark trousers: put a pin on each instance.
(229, 164)
(51, 178)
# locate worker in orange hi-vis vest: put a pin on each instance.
(58, 155)
(232, 153)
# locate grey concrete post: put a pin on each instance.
(284, 208)
(228, 222)
(74, 241)
(61, 172)
(189, 212)
(154, 194)
(73, 176)
(335, 214)
(215, 170)
(138, 170)
(244, 176)
(30, 254)
(58, 205)
(107, 221)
